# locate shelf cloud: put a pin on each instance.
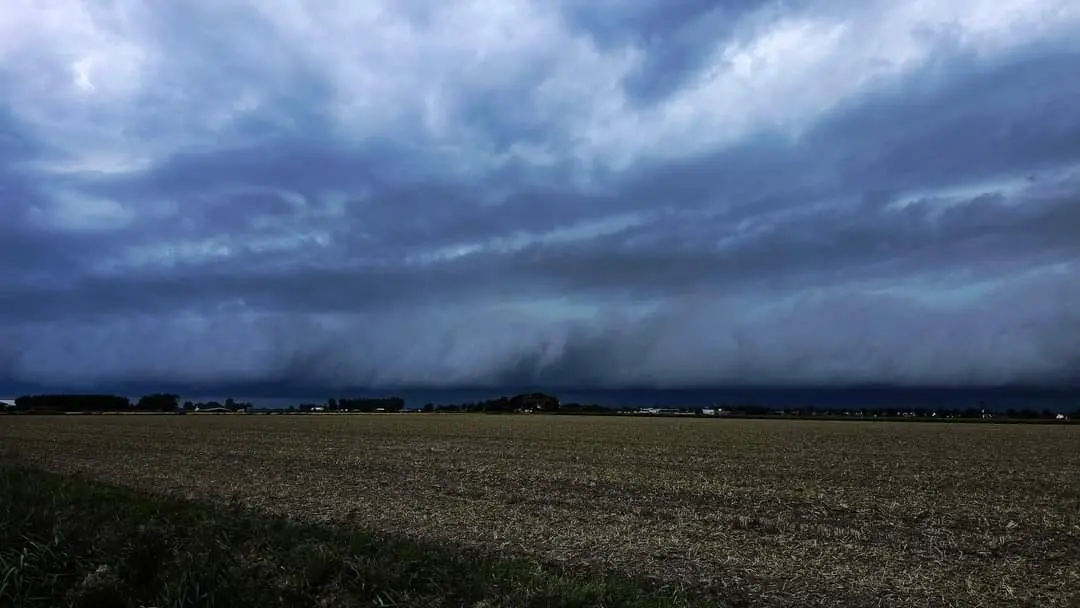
(605, 193)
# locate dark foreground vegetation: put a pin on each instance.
(66, 541)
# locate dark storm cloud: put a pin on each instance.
(612, 194)
(980, 122)
(27, 255)
(676, 37)
(665, 255)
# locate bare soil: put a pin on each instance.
(776, 513)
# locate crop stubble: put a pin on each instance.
(774, 512)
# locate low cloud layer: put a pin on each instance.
(617, 193)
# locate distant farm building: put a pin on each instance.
(659, 410)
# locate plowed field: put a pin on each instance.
(777, 513)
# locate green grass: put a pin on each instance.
(65, 541)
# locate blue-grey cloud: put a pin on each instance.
(575, 193)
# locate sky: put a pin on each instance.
(601, 193)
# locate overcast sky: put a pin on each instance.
(567, 192)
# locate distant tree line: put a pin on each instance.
(384, 404)
(524, 403)
(539, 402)
(73, 403)
(157, 402)
(968, 413)
(357, 404)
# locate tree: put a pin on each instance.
(72, 403)
(161, 402)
